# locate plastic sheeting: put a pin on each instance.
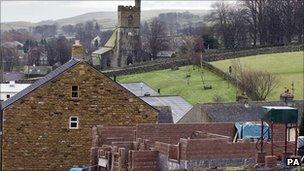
(251, 130)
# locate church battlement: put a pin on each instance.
(128, 8)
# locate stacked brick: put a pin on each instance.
(157, 149)
(271, 161)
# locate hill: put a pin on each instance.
(106, 19)
(288, 67)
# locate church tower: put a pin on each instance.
(128, 43)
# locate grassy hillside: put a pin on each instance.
(287, 66)
(175, 83)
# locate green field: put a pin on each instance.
(175, 83)
(288, 66)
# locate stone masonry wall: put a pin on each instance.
(209, 56)
(36, 132)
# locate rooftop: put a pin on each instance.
(233, 112)
(178, 105)
(140, 88)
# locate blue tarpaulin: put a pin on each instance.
(249, 130)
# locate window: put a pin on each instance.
(75, 93)
(73, 122)
(8, 96)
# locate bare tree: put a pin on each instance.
(156, 39)
(8, 58)
(230, 24)
(257, 84)
(187, 47)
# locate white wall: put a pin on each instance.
(11, 89)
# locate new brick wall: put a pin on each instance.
(171, 133)
(109, 134)
(193, 149)
(144, 160)
(182, 142)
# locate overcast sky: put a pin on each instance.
(35, 11)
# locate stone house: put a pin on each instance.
(47, 126)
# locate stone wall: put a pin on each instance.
(221, 55)
(36, 134)
(209, 56)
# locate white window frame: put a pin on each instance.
(77, 122)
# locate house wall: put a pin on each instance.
(36, 132)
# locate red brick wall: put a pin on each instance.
(163, 148)
(172, 140)
(278, 132)
(200, 149)
(171, 133)
(144, 160)
(108, 134)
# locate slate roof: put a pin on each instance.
(231, 112)
(178, 105)
(140, 88)
(40, 82)
(102, 50)
(165, 114)
(12, 76)
(110, 44)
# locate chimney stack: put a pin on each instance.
(77, 50)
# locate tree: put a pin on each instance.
(64, 49)
(58, 50)
(230, 24)
(210, 42)
(34, 55)
(46, 30)
(8, 57)
(257, 84)
(192, 48)
(68, 29)
(156, 39)
(86, 33)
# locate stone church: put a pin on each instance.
(124, 46)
